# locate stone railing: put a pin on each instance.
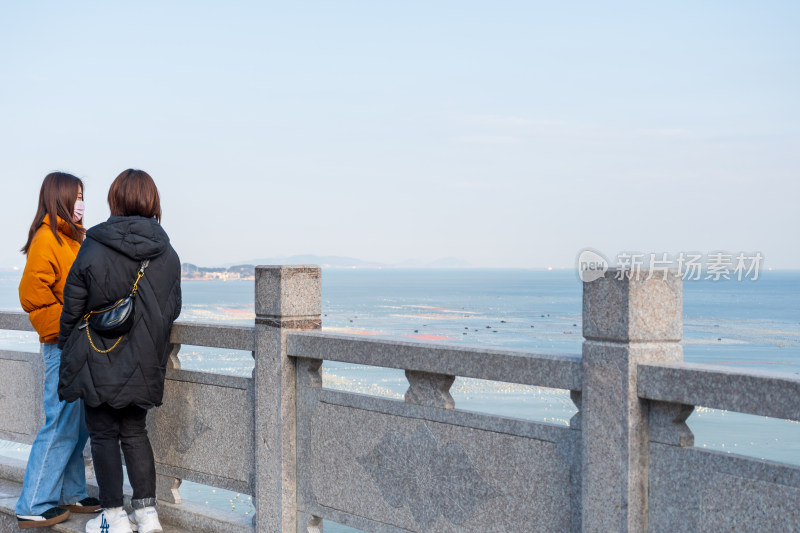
(205, 432)
(306, 453)
(21, 386)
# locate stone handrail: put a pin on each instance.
(214, 336)
(15, 321)
(196, 334)
(753, 392)
(207, 435)
(191, 441)
(544, 370)
(625, 462)
(20, 394)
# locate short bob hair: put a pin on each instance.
(134, 193)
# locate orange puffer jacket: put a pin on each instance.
(41, 290)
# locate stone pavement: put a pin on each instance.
(9, 492)
(184, 518)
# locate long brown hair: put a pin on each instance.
(134, 193)
(57, 199)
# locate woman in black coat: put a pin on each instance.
(119, 383)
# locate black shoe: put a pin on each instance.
(86, 505)
(52, 516)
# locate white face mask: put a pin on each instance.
(80, 207)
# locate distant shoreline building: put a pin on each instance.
(238, 272)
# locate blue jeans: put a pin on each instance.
(55, 473)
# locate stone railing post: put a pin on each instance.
(288, 298)
(168, 487)
(628, 318)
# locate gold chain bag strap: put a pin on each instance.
(114, 320)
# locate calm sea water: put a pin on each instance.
(748, 324)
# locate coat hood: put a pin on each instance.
(136, 237)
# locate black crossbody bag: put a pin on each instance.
(114, 320)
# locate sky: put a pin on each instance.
(503, 133)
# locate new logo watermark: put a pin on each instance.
(714, 266)
(591, 265)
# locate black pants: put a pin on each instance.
(109, 428)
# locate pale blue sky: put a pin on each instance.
(504, 133)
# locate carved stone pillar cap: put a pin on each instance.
(624, 306)
(286, 291)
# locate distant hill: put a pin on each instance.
(449, 262)
(336, 261)
(311, 259)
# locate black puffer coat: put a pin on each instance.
(104, 272)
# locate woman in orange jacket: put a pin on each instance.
(55, 482)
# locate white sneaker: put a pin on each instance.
(145, 520)
(110, 521)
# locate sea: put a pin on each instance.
(747, 324)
